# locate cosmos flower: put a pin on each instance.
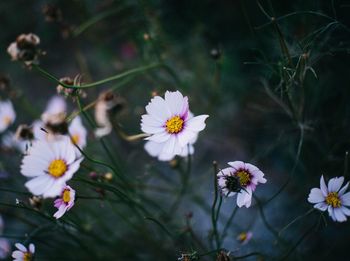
(4, 248)
(77, 132)
(244, 237)
(169, 123)
(65, 202)
(23, 254)
(332, 198)
(241, 178)
(50, 164)
(7, 115)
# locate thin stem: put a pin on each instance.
(131, 72)
(228, 223)
(295, 220)
(213, 220)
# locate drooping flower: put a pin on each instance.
(168, 122)
(107, 104)
(77, 132)
(332, 198)
(50, 164)
(241, 178)
(65, 202)
(25, 48)
(244, 237)
(23, 254)
(7, 115)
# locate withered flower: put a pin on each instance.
(52, 13)
(108, 104)
(70, 91)
(25, 49)
(55, 123)
(24, 132)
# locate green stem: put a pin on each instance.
(213, 219)
(131, 72)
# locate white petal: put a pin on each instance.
(345, 199)
(62, 209)
(346, 211)
(323, 186)
(153, 148)
(244, 199)
(151, 121)
(342, 191)
(321, 206)
(159, 137)
(151, 130)
(39, 185)
(18, 254)
(316, 196)
(55, 189)
(196, 123)
(32, 248)
(21, 247)
(169, 145)
(158, 109)
(175, 102)
(186, 136)
(339, 215)
(334, 184)
(237, 165)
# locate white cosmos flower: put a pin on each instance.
(77, 132)
(7, 115)
(65, 202)
(23, 254)
(241, 178)
(56, 105)
(332, 198)
(168, 122)
(50, 164)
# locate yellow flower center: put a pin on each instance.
(333, 200)
(174, 125)
(75, 139)
(244, 177)
(27, 256)
(242, 236)
(57, 168)
(66, 196)
(7, 120)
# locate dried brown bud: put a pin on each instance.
(35, 202)
(24, 132)
(55, 123)
(52, 13)
(223, 256)
(4, 83)
(25, 49)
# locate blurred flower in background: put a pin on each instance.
(65, 202)
(7, 115)
(23, 254)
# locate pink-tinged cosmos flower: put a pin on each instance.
(169, 124)
(241, 178)
(332, 198)
(50, 164)
(23, 254)
(7, 115)
(65, 202)
(244, 237)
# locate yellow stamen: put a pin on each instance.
(174, 125)
(242, 236)
(66, 196)
(7, 120)
(244, 177)
(57, 168)
(333, 200)
(75, 139)
(27, 256)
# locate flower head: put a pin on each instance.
(50, 164)
(65, 202)
(170, 124)
(241, 178)
(244, 237)
(77, 132)
(332, 198)
(7, 115)
(23, 254)
(25, 48)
